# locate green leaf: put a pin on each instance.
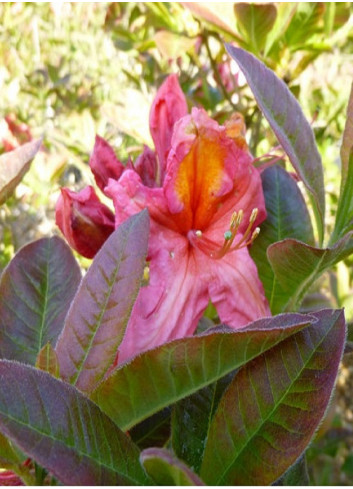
(9, 454)
(297, 475)
(160, 377)
(166, 470)
(64, 431)
(287, 121)
(14, 165)
(153, 431)
(287, 217)
(96, 322)
(191, 421)
(274, 405)
(285, 12)
(344, 214)
(305, 23)
(297, 265)
(36, 290)
(255, 22)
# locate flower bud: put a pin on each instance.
(104, 164)
(85, 222)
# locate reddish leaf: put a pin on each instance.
(63, 431)
(97, 319)
(274, 405)
(287, 121)
(36, 290)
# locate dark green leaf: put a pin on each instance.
(287, 217)
(14, 165)
(191, 421)
(153, 431)
(160, 377)
(96, 322)
(36, 290)
(287, 121)
(270, 412)
(64, 431)
(297, 265)
(166, 470)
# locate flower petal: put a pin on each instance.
(167, 108)
(235, 289)
(146, 166)
(204, 167)
(173, 302)
(85, 222)
(104, 164)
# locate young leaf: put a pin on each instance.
(47, 360)
(297, 265)
(287, 217)
(255, 22)
(166, 470)
(36, 290)
(274, 405)
(97, 319)
(13, 166)
(287, 121)
(64, 431)
(160, 377)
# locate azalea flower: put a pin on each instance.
(205, 201)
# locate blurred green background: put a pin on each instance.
(71, 70)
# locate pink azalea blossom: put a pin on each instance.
(205, 201)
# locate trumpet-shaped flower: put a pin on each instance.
(204, 214)
(205, 201)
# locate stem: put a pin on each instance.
(217, 76)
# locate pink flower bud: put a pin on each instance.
(85, 222)
(104, 164)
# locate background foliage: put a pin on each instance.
(70, 71)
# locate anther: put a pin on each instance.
(198, 233)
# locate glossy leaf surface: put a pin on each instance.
(157, 378)
(297, 265)
(166, 470)
(274, 405)
(97, 319)
(14, 165)
(36, 290)
(64, 431)
(287, 217)
(287, 121)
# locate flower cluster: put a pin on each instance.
(205, 201)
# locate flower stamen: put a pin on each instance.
(213, 250)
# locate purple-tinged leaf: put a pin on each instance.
(166, 470)
(13, 166)
(47, 361)
(287, 217)
(274, 405)
(297, 265)
(64, 431)
(158, 378)
(287, 121)
(96, 322)
(36, 289)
